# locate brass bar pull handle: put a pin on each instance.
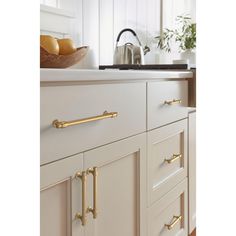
(175, 220)
(172, 102)
(175, 157)
(63, 124)
(82, 217)
(94, 210)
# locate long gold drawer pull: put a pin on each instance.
(172, 102)
(175, 220)
(94, 172)
(63, 124)
(82, 217)
(175, 157)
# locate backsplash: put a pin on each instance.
(96, 23)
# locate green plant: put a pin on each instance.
(184, 35)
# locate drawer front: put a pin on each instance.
(163, 102)
(67, 103)
(169, 216)
(167, 158)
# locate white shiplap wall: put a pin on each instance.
(61, 18)
(97, 23)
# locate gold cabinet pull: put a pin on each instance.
(172, 102)
(94, 172)
(175, 157)
(63, 124)
(175, 220)
(83, 177)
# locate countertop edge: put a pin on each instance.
(72, 76)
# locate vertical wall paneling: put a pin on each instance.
(193, 10)
(106, 39)
(167, 22)
(131, 19)
(142, 20)
(119, 19)
(52, 3)
(67, 4)
(172, 9)
(153, 29)
(77, 26)
(153, 21)
(96, 23)
(131, 14)
(54, 34)
(91, 32)
(157, 31)
(55, 23)
(78, 33)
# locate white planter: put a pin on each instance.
(189, 56)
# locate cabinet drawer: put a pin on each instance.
(167, 158)
(169, 216)
(68, 103)
(163, 102)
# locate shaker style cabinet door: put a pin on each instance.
(192, 171)
(117, 194)
(60, 198)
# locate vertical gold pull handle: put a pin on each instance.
(175, 220)
(83, 177)
(172, 102)
(94, 172)
(175, 157)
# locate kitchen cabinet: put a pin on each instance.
(132, 175)
(192, 171)
(118, 199)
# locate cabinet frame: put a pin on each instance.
(192, 171)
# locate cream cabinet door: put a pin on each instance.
(60, 198)
(121, 188)
(192, 171)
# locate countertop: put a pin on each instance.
(48, 76)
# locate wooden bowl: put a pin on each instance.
(48, 60)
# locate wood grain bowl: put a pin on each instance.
(48, 60)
